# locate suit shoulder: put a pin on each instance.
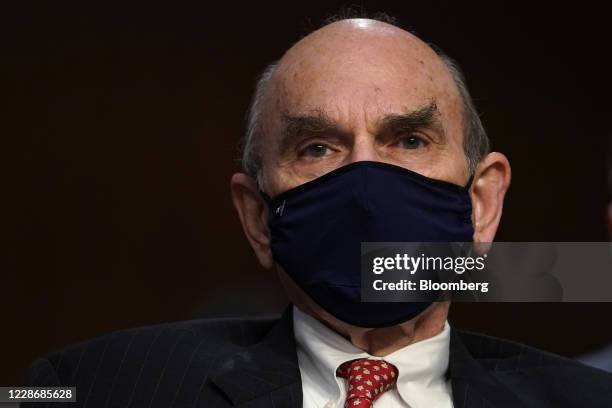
(191, 343)
(518, 365)
(494, 349)
(485, 347)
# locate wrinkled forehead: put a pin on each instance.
(348, 70)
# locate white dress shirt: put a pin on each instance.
(421, 368)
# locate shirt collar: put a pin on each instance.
(421, 366)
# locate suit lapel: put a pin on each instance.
(473, 385)
(265, 373)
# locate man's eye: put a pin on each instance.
(316, 150)
(411, 142)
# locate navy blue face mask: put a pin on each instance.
(317, 229)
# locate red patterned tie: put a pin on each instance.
(367, 380)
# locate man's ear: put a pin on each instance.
(252, 211)
(491, 181)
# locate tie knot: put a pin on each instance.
(367, 379)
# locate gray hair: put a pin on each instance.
(475, 145)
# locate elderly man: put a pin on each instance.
(351, 118)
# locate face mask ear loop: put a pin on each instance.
(272, 206)
(265, 197)
(469, 183)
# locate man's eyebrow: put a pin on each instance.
(427, 117)
(294, 126)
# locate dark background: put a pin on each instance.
(121, 124)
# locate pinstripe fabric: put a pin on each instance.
(490, 372)
(175, 365)
(253, 363)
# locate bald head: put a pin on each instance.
(361, 54)
(359, 89)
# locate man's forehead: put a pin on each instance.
(362, 35)
(361, 65)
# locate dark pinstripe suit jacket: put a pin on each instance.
(253, 363)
